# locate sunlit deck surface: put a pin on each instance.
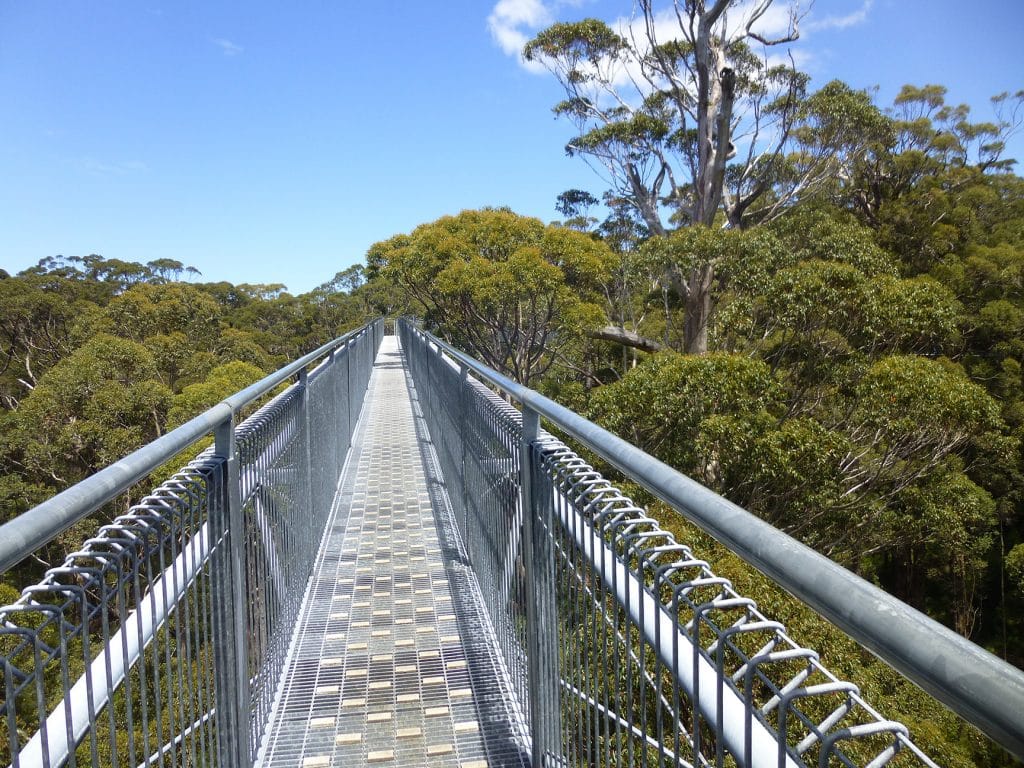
(393, 661)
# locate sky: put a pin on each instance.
(268, 142)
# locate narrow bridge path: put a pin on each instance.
(392, 661)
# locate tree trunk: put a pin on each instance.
(698, 309)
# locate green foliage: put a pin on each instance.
(146, 310)
(506, 288)
(1015, 568)
(98, 357)
(590, 41)
(224, 380)
(37, 327)
(667, 401)
(821, 235)
(90, 409)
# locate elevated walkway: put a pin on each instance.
(391, 562)
(393, 661)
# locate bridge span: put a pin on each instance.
(393, 555)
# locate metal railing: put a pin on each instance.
(161, 641)
(623, 645)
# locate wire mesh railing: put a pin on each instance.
(161, 640)
(624, 646)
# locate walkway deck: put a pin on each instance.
(393, 661)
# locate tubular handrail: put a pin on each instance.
(673, 644)
(41, 524)
(980, 687)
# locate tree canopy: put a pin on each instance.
(508, 289)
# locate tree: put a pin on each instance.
(222, 381)
(930, 180)
(93, 407)
(875, 478)
(506, 288)
(689, 116)
(37, 327)
(148, 309)
(347, 281)
(573, 204)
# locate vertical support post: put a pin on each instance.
(541, 627)
(232, 648)
(351, 391)
(337, 457)
(369, 364)
(463, 432)
(312, 516)
(371, 353)
(360, 365)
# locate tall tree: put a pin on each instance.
(690, 116)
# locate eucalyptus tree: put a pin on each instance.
(695, 114)
(506, 288)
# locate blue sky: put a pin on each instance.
(269, 142)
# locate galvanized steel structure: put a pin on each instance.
(164, 638)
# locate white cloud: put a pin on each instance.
(775, 23)
(227, 47)
(841, 22)
(512, 23)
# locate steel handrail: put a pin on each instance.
(980, 687)
(41, 524)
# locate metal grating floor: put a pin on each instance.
(393, 661)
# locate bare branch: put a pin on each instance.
(627, 338)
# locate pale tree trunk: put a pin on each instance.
(698, 309)
(716, 104)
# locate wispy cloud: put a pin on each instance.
(115, 168)
(227, 47)
(851, 19)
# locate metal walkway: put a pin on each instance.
(464, 569)
(392, 661)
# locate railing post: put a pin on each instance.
(371, 354)
(311, 515)
(541, 628)
(232, 644)
(337, 456)
(351, 391)
(463, 432)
